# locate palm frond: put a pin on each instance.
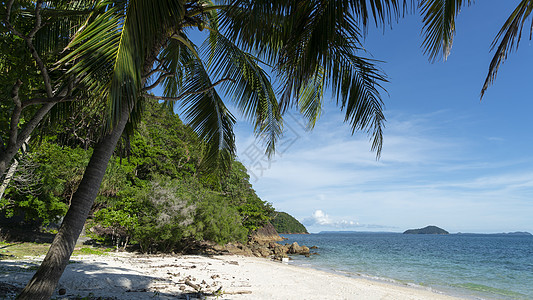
(439, 25)
(313, 45)
(509, 39)
(177, 53)
(255, 26)
(112, 49)
(383, 12)
(356, 82)
(203, 109)
(311, 99)
(207, 115)
(92, 52)
(248, 85)
(315, 50)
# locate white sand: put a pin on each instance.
(132, 276)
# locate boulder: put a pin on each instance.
(238, 249)
(218, 247)
(294, 248)
(281, 250)
(265, 252)
(304, 250)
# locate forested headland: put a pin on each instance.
(285, 223)
(157, 192)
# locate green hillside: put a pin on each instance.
(285, 223)
(157, 192)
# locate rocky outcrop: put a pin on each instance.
(262, 243)
(266, 234)
(272, 249)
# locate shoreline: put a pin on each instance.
(454, 294)
(133, 276)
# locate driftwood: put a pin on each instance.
(194, 286)
(198, 289)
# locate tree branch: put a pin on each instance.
(36, 101)
(15, 117)
(29, 42)
(8, 16)
(158, 81)
(34, 121)
(156, 70)
(184, 94)
(38, 19)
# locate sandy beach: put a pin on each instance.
(134, 276)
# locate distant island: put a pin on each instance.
(517, 233)
(427, 230)
(287, 224)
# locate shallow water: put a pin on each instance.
(471, 265)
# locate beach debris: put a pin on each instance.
(137, 290)
(62, 292)
(194, 286)
(238, 293)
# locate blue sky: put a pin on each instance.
(448, 159)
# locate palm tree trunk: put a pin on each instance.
(45, 280)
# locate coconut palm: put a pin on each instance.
(116, 54)
(127, 47)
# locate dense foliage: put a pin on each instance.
(285, 223)
(156, 192)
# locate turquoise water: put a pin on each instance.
(471, 265)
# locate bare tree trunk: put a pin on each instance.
(45, 280)
(14, 145)
(11, 171)
(8, 177)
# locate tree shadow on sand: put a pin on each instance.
(88, 280)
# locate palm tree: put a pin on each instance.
(127, 47)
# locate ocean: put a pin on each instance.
(475, 266)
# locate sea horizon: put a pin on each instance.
(521, 232)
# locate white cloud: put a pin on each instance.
(424, 177)
(320, 218)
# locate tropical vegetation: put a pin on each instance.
(156, 194)
(106, 56)
(125, 48)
